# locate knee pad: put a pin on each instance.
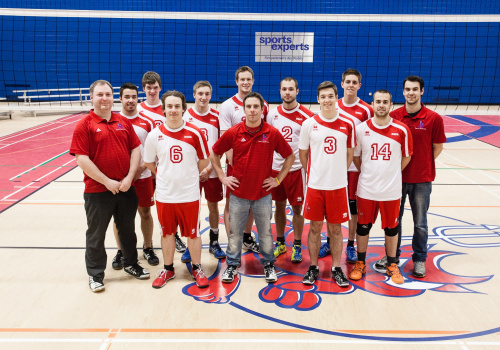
(353, 208)
(363, 230)
(391, 232)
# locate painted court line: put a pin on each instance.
(27, 138)
(36, 166)
(48, 124)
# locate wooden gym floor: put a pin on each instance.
(46, 302)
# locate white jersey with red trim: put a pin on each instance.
(327, 141)
(232, 113)
(359, 112)
(209, 125)
(289, 122)
(381, 149)
(142, 127)
(153, 112)
(178, 152)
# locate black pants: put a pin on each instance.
(100, 207)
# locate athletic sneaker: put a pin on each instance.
(229, 274)
(251, 245)
(350, 255)
(419, 269)
(201, 279)
(150, 256)
(186, 257)
(217, 251)
(96, 284)
(296, 253)
(137, 271)
(382, 263)
(270, 272)
(358, 271)
(394, 274)
(340, 278)
(324, 250)
(163, 277)
(279, 248)
(117, 263)
(180, 246)
(311, 275)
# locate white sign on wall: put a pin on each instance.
(284, 47)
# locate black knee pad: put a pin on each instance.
(363, 230)
(353, 208)
(391, 232)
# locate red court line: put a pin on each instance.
(27, 153)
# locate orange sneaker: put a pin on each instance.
(358, 271)
(394, 274)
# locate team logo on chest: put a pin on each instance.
(367, 133)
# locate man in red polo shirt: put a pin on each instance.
(108, 151)
(253, 142)
(427, 130)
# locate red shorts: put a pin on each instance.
(368, 211)
(291, 188)
(352, 184)
(184, 215)
(213, 189)
(145, 192)
(332, 204)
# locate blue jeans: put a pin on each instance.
(419, 195)
(239, 210)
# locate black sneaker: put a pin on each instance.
(117, 263)
(180, 246)
(340, 278)
(310, 276)
(96, 284)
(229, 274)
(137, 271)
(251, 245)
(150, 256)
(270, 272)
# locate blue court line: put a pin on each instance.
(484, 130)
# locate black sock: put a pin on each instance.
(391, 260)
(350, 243)
(119, 251)
(214, 237)
(247, 237)
(338, 269)
(297, 242)
(196, 266)
(328, 240)
(281, 239)
(362, 256)
(169, 267)
(313, 267)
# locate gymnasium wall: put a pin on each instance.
(453, 45)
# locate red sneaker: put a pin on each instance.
(201, 279)
(163, 277)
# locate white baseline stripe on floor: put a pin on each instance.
(266, 17)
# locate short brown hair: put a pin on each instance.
(290, 79)
(202, 83)
(175, 94)
(150, 78)
(382, 91)
(351, 71)
(129, 86)
(327, 85)
(254, 94)
(241, 70)
(414, 78)
(99, 82)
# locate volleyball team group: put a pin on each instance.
(347, 163)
